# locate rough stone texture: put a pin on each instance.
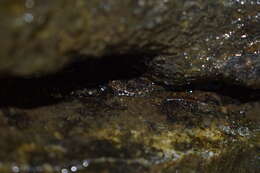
(133, 127)
(39, 36)
(192, 40)
(110, 114)
(219, 43)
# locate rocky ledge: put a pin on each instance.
(129, 86)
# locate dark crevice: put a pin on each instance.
(93, 72)
(86, 72)
(239, 93)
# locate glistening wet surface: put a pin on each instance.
(152, 86)
(132, 126)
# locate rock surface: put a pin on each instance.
(154, 87)
(135, 126)
(190, 40)
(219, 43)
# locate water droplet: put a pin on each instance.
(28, 17)
(64, 171)
(244, 36)
(243, 131)
(226, 36)
(15, 169)
(74, 169)
(85, 163)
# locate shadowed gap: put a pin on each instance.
(87, 72)
(239, 93)
(91, 72)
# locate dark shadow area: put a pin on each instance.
(93, 72)
(240, 93)
(87, 72)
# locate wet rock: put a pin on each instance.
(216, 48)
(39, 37)
(111, 122)
(197, 39)
(240, 70)
(157, 131)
